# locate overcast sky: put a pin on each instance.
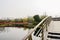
(22, 8)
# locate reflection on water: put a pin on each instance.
(12, 33)
(2, 28)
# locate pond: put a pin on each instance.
(14, 33)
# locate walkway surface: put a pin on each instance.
(54, 30)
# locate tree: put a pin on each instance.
(37, 18)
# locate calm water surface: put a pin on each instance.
(14, 33)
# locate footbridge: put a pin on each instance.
(47, 29)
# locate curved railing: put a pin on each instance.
(43, 24)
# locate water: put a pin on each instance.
(14, 33)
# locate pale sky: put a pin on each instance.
(23, 8)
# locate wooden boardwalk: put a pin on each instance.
(54, 30)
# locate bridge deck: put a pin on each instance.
(54, 26)
(53, 30)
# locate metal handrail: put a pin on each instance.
(32, 30)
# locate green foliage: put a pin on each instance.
(37, 18)
(30, 21)
(18, 20)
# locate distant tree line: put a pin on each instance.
(29, 21)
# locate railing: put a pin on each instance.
(43, 24)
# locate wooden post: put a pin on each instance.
(46, 27)
(30, 37)
(42, 33)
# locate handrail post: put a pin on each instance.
(46, 27)
(30, 37)
(42, 33)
